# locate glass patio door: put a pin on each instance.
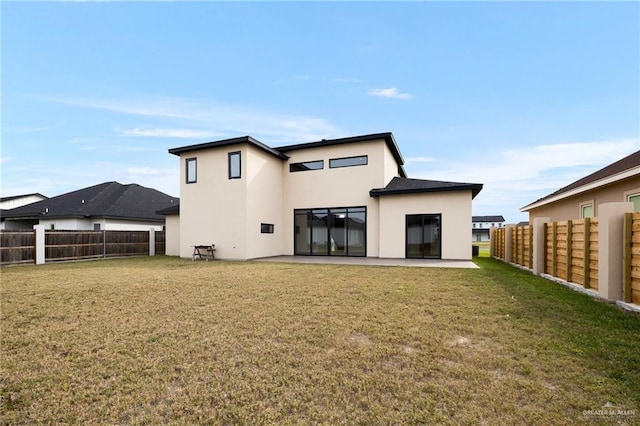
(423, 236)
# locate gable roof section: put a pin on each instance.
(624, 168)
(106, 200)
(225, 142)
(387, 137)
(16, 197)
(487, 219)
(403, 185)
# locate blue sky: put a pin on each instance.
(524, 97)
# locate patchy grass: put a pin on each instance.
(164, 340)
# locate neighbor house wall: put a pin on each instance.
(570, 207)
(20, 201)
(213, 209)
(338, 187)
(105, 224)
(455, 208)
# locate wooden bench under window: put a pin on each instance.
(204, 252)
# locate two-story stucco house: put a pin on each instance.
(338, 197)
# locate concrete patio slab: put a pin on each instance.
(372, 261)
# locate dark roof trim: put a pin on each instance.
(401, 185)
(226, 142)
(387, 137)
(175, 209)
(487, 219)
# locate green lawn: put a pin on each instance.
(165, 340)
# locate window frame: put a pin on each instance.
(631, 194)
(366, 161)
(585, 205)
(266, 228)
(302, 163)
(194, 161)
(230, 157)
(350, 239)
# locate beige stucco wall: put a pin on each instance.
(264, 203)
(213, 210)
(455, 208)
(339, 187)
(172, 235)
(570, 207)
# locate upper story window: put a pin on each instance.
(192, 170)
(235, 165)
(586, 210)
(635, 199)
(361, 160)
(307, 165)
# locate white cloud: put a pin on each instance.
(391, 92)
(516, 177)
(216, 118)
(411, 160)
(167, 133)
(145, 171)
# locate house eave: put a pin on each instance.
(474, 188)
(226, 142)
(635, 171)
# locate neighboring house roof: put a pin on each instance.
(106, 200)
(487, 219)
(280, 152)
(403, 185)
(16, 197)
(226, 142)
(524, 223)
(622, 169)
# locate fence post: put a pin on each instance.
(152, 242)
(626, 257)
(569, 250)
(610, 238)
(40, 242)
(539, 246)
(587, 253)
(492, 241)
(508, 232)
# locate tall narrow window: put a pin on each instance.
(235, 165)
(192, 170)
(587, 210)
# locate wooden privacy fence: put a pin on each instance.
(631, 258)
(600, 255)
(571, 252)
(20, 247)
(17, 247)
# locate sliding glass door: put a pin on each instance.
(330, 232)
(423, 236)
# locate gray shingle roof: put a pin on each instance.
(487, 219)
(106, 200)
(402, 185)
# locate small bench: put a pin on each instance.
(203, 252)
